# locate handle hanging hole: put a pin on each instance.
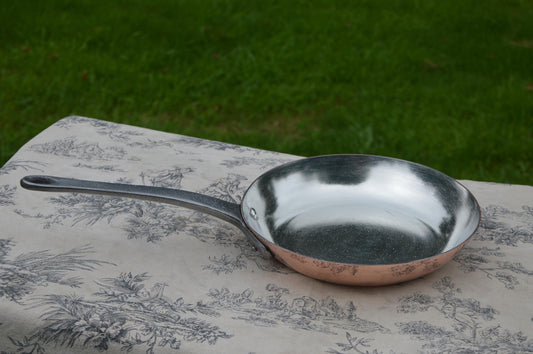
(253, 213)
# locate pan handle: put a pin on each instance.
(219, 208)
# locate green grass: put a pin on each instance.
(446, 84)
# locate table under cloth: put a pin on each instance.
(93, 273)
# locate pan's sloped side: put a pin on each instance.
(360, 275)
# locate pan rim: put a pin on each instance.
(268, 243)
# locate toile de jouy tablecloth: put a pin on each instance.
(92, 273)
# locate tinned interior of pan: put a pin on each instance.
(360, 209)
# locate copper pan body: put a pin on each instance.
(348, 219)
(361, 274)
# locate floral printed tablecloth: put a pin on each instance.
(92, 273)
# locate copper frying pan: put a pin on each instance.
(346, 219)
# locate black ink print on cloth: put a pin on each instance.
(21, 274)
(225, 264)
(300, 313)
(468, 327)
(113, 131)
(103, 168)
(169, 178)
(116, 132)
(7, 193)
(213, 145)
(70, 147)
(355, 344)
(69, 122)
(229, 189)
(486, 260)
(261, 163)
(125, 313)
(506, 227)
(25, 165)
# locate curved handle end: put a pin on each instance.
(37, 182)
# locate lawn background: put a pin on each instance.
(446, 84)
